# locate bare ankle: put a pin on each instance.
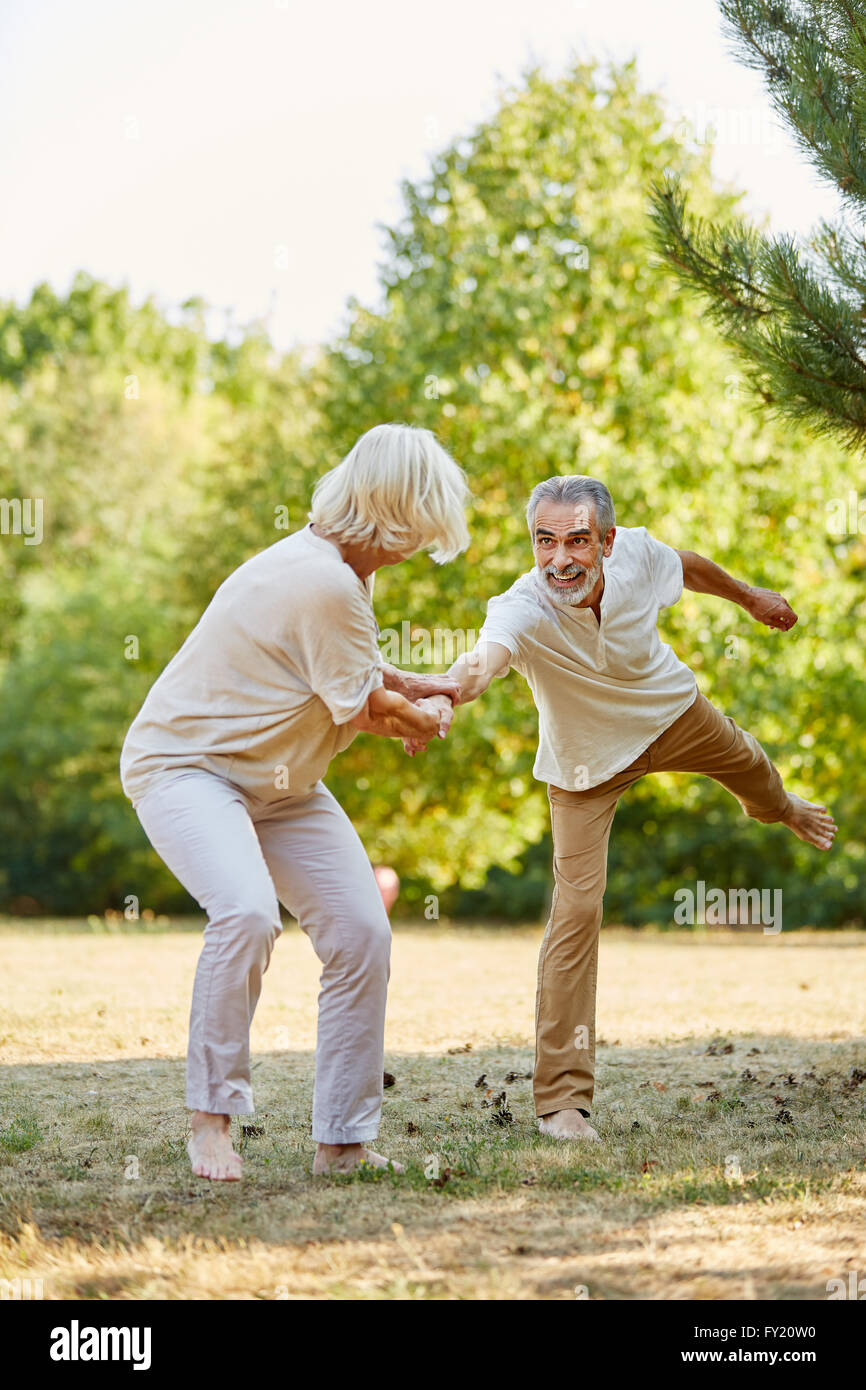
(205, 1119)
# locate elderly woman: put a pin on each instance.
(223, 765)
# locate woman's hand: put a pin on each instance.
(442, 708)
(392, 716)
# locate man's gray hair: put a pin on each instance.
(574, 487)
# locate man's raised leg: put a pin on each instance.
(706, 741)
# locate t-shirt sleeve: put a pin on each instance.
(666, 569)
(333, 636)
(509, 621)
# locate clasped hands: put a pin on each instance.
(433, 695)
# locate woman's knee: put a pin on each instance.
(253, 924)
(359, 945)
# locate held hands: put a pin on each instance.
(419, 687)
(441, 708)
(770, 608)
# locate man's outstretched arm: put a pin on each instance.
(764, 605)
(472, 672)
(414, 686)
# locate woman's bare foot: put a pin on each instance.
(567, 1124)
(210, 1148)
(810, 822)
(344, 1158)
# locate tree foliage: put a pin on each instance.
(525, 321)
(527, 324)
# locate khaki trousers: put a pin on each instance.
(701, 740)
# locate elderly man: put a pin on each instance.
(614, 703)
(223, 765)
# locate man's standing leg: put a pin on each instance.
(568, 961)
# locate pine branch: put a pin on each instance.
(805, 345)
(719, 263)
(808, 55)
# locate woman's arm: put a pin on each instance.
(388, 714)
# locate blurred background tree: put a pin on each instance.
(526, 322)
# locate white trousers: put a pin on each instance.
(237, 858)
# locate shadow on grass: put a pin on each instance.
(97, 1150)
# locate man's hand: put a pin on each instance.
(769, 608)
(418, 687)
(439, 705)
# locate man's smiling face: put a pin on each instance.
(569, 552)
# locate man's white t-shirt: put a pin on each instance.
(603, 690)
(262, 689)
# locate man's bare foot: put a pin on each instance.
(810, 822)
(567, 1124)
(210, 1148)
(344, 1158)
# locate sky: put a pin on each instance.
(247, 151)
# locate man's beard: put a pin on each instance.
(569, 597)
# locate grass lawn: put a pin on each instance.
(730, 1100)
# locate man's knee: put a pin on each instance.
(579, 892)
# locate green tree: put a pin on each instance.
(795, 312)
(526, 322)
(154, 485)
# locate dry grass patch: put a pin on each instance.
(730, 1100)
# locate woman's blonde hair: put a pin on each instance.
(396, 488)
